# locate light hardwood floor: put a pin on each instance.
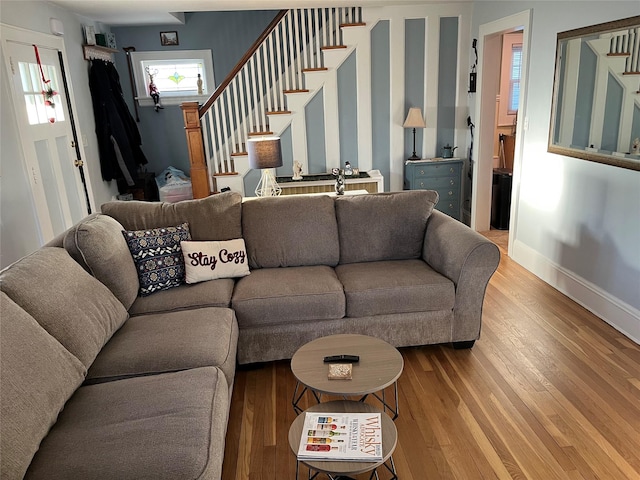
(548, 392)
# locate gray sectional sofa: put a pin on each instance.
(99, 382)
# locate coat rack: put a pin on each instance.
(96, 52)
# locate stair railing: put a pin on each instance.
(256, 87)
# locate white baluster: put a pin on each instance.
(273, 65)
(236, 108)
(291, 55)
(261, 110)
(316, 34)
(280, 46)
(298, 50)
(209, 143)
(216, 105)
(225, 128)
(304, 24)
(254, 92)
(243, 107)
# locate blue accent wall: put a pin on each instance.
(163, 139)
(381, 98)
(611, 127)
(316, 153)
(584, 92)
(414, 78)
(348, 111)
(447, 75)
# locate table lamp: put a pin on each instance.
(414, 120)
(265, 154)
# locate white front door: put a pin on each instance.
(52, 156)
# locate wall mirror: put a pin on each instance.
(595, 112)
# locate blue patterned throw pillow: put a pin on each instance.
(158, 256)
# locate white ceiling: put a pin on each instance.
(161, 12)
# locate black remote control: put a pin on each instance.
(342, 359)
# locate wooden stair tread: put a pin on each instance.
(279, 112)
(297, 91)
(333, 47)
(630, 73)
(618, 54)
(356, 24)
(319, 69)
(225, 174)
(257, 134)
(239, 154)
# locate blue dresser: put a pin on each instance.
(441, 175)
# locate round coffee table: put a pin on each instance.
(380, 366)
(344, 468)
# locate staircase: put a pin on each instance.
(620, 52)
(267, 92)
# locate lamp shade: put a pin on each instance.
(264, 152)
(414, 119)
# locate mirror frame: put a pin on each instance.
(624, 162)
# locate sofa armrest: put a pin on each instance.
(469, 260)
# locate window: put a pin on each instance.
(510, 73)
(175, 75)
(514, 80)
(38, 112)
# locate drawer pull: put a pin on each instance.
(451, 182)
(451, 206)
(450, 193)
(422, 184)
(421, 172)
(451, 170)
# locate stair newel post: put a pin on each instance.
(195, 144)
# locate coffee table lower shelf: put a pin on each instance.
(337, 469)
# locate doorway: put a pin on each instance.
(489, 59)
(43, 113)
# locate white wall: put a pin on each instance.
(19, 233)
(578, 223)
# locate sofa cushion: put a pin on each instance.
(383, 226)
(38, 376)
(213, 218)
(164, 426)
(96, 243)
(169, 342)
(282, 295)
(396, 286)
(158, 257)
(290, 231)
(78, 310)
(212, 260)
(214, 293)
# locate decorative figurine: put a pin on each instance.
(153, 90)
(339, 187)
(348, 171)
(297, 171)
(199, 83)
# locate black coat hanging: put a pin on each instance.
(119, 141)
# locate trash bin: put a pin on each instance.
(501, 198)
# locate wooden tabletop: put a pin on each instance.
(380, 364)
(389, 438)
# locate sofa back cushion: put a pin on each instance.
(97, 244)
(75, 308)
(213, 218)
(383, 226)
(290, 231)
(38, 376)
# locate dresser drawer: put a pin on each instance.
(436, 183)
(436, 170)
(449, 206)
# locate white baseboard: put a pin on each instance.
(618, 314)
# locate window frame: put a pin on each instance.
(170, 98)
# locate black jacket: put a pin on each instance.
(118, 137)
